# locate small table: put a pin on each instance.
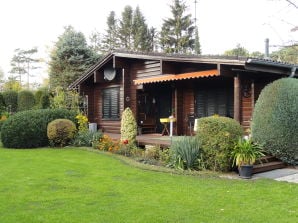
(165, 122)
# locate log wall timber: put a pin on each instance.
(144, 69)
(246, 103)
(188, 108)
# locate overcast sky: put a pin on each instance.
(222, 23)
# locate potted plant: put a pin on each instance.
(244, 154)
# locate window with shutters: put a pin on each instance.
(110, 103)
(216, 100)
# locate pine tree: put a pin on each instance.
(140, 32)
(96, 42)
(125, 29)
(177, 32)
(197, 49)
(70, 58)
(110, 40)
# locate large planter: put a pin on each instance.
(245, 171)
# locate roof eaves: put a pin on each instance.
(232, 60)
(90, 71)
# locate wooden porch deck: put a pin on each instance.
(147, 139)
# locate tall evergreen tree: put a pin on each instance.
(96, 42)
(177, 32)
(140, 32)
(152, 42)
(126, 28)
(70, 57)
(110, 39)
(197, 49)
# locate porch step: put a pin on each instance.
(266, 159)
(267, 166)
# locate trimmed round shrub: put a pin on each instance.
(60, 132)
(28, 129)
(218, 136)
(11, 100)
(128, 126)
(26, 100)
(275, 120)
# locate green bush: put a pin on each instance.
(128, 127)
(60, 132)
(86, 138)
(2, 104)
(42, 99)
(185, 153)
(275, 120)
(28, 129)
(26, 100)
(11, 100)
(217, 136)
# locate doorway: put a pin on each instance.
(154, 102)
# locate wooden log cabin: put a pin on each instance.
(156, 86)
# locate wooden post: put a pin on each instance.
(237, 98)
(252, 94)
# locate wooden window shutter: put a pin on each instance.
(110, 104)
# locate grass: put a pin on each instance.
(76, 185)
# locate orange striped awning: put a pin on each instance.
(175, 77)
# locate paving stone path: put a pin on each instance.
(285, 174)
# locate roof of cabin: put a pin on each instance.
(248, 63)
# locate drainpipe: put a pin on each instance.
(293, 71)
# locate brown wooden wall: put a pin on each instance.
(141, 69)
(188, 108)
(248, 101)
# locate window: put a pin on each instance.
(216, 100)
(110, 103)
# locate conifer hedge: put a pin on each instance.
(275, 119)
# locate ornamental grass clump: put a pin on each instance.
(245, 152)
(275, 120)
(185, 153)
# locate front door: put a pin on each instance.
(154, 102)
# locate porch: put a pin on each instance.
(149, 139)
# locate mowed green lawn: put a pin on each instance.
(76, 185)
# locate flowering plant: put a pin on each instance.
(106, 143)
(82, 122)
